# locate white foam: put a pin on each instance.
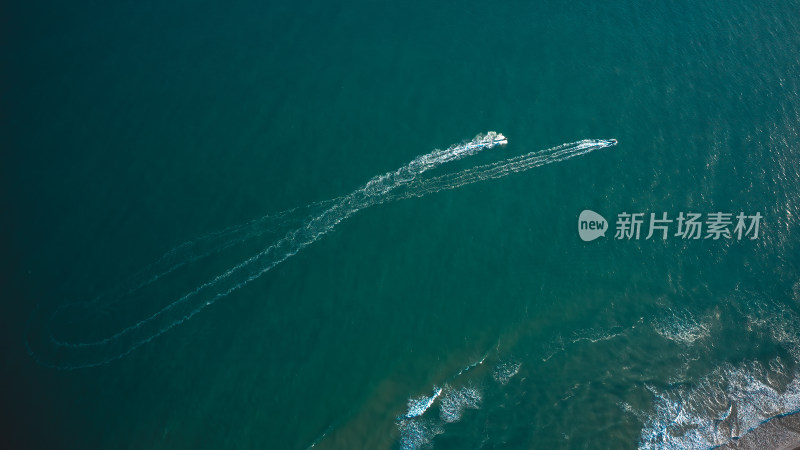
(732, 399)
(504, 371)
(681, 327)
(418, 406)
(729, 402)
(456, 400)
(417, 428)
(796, 291)
(418, 432)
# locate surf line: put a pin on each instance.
(406, 182)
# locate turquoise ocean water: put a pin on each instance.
(150, 147)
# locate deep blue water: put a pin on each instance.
(133, 128)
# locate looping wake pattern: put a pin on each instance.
(305, 226)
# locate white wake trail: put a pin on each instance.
(419, 188)
(408, 181)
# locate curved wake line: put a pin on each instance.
(406, 182)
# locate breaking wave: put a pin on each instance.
(732, 399)
(681, 327)
(419, 426)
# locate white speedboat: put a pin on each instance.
(500, 139)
